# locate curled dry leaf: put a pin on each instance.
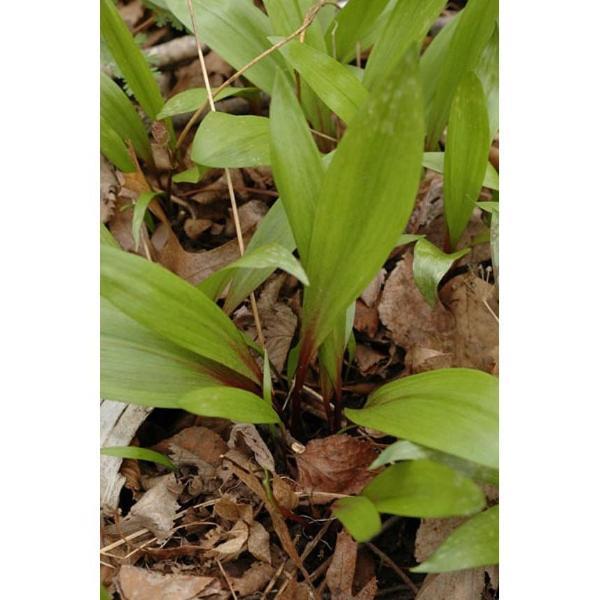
(340, 574)
(253, 580)
(232, 511)
(366, 319)
(284, 493)
(157, 508)
(251, 438)
(295, 591)
(140, 584)
(250, 214)
(368, 360)
(338, 464)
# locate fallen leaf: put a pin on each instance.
(338, 464)
(200, 441)
(142, 584)
(157, 507)
(368, 359)
(254, 442)
(250, 215)
(232, 511)
(194, 228)
(132, 13)
(259, 543)
(295, 591)
(253, 580)
(341, 571)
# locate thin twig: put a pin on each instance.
(390, 563)
(234, 208)
(308, 19)
(227, 580)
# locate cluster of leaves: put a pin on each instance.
(166, 343)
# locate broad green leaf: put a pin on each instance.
(405, 450)
(296, 162)
(488, 72)
(138, 454)
(225, 140)
(168, 305)
(350, 25)
(192, 175)
(466, 155)
(451, 410)
(359, 516)
(130, 59)
(139, 212)
(106, 237)
(423, 488)
(120, 114)
(229, 403)
(191, 100)
(114, 148)
(140, 367)
(339, 89)
(237, 31)
(408, 238)
(358, 219)
(269, 256)
(407, 23)
(435, 162)
(474, 544)
(430, 265)
(463, 52)
(274, 228)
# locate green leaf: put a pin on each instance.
(350, 25)
(274, 228)
(435, 162)
(488, 72)
(104, 595)
(267, 383)
(408, 23)
(138, 454)
(430, 265)
(106, 237)
(120, 114)
(422, 488)
(297, 166)
(358, 219)
(225, 140)
(237, 31)
(130, 59)
(168, 305)
(269, 256)
(287, 15)
(451, 410)
(463, 52)
(140, 367)
(466, 155)
(405, 450)
(473, 544)
(191, 100)
(408, 238)
(114, 148)
(494, 243)
(339, 89)
(192, 175)
(139, 212)
(359, 516)
(229, 403)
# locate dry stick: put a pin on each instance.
(226, 579)
(308, 19)
(386, 559)
(234, 209)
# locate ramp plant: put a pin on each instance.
(166, 343)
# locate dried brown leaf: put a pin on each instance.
(141, 584)
(371, 293)
(284, 493)
(366, 319)
(250, 214)
(238, 536)
(194, 228)
(338, 464)
(458, 585)
(295, 591)
(368, 359)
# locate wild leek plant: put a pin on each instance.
(168, 344)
